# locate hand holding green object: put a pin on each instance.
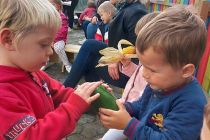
(106, 99)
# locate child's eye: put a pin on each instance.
(45, 45)
(152, 70)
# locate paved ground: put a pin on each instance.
(89, 126)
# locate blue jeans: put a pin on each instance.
(84, 65)
(91, 30)
(84, 26)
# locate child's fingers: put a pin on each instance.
(105, 120)
(81, 87)
(92, 86)
(87, 87)
(107, 87)
(93, 98)
(107, 112)
(103, 117)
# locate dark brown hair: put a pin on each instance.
(177, 33)
(144, 20)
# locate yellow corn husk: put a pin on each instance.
(113, 55)
(109, 51)
(129, 50)
(123, 41)
(105, 60)
(110, 59)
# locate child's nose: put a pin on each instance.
(50, 51)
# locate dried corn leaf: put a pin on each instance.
(110, 59)
(112, 55)
(109, 51)
(105, 60)
(123, 41)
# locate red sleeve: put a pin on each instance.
(82, 15)
(19, 122)
(58, 123)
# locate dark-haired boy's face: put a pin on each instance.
(159, 74)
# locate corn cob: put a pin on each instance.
(129, 50)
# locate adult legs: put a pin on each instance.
(103, 74)
(84, 65)
(84, 26)
(70, 12)
(91, 30)
(86, 60)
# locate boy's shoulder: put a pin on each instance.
(191, 94)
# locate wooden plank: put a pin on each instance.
(71, 48)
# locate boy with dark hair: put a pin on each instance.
(172, 106)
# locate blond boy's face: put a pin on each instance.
(34, 50)
(159, 74)
(105, 16)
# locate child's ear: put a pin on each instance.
(188, 70)
(6, 37)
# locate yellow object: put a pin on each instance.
(129, 50)
(114, 55)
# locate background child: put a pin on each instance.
(61, 36)
(87, 14)
(136, 84)
(33, 105)
(106, 11)
(205, 133)
(172, 104)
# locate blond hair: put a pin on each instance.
(176, 32)
(107, 7)
(144, 20)
(59, 2)
(25, 16)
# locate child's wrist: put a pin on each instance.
(126, 64)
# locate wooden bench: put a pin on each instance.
(71, 50)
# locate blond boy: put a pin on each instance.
(34, 106)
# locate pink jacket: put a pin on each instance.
(135, 85)
(63, 31)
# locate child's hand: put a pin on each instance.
(85, 90)
(107, 87)
(113, 70)
(94, 20)
(115, 119)
(125, 61)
